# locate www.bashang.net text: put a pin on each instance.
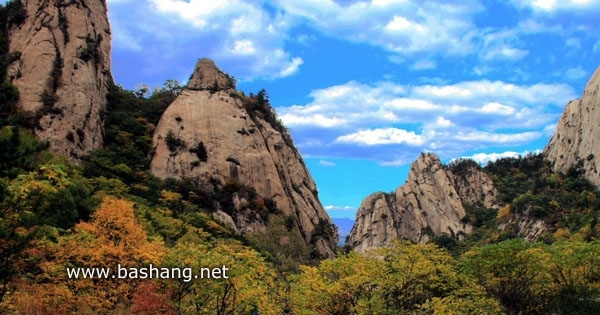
(149, 272)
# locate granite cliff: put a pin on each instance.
(216, 136)
(60, 53)
(576, 142)
(431, 202)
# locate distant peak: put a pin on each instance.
(207, 76)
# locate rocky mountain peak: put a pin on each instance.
(221, 138)
(576, 142)
(430, 203)
(61, 66)
(207, 76)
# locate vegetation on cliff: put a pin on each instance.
(567, 204)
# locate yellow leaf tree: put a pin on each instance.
(112, 238)
(243, 281)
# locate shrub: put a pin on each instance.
(200, 151)
(90, 51)
(173, 143)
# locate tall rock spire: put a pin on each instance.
(212, 134)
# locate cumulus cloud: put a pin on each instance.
(397, 26)
(392, 123)
(382, 136)
(474, 92)
(484, 158)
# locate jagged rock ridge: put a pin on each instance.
(61, 67)
(576, 142)
(209, 135)
(429, 203)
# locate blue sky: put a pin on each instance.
(365, 86)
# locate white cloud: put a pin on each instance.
(391, 123)
(505, 52)
(382, 136)
(575, 73)
(339, 208)
(484, 158)
(497, 108)
(502, 44)
(398, 23)
(443, 122)
(545, 6)
(385, 3)
(395, 163)
(498, 91)
(410, 104)
(405, 27)
(550, 129)
(326, 163)
(320, 120)
(291, 67)
(497, 138)
(243, 47)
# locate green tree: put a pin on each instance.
(515, 272)
(345, 285)
(575, 271)
(245, 283)
(19, 151)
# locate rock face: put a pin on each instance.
(524, 225)
(208, 134)
(429, 203)
(576, 142)
(62, 70)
